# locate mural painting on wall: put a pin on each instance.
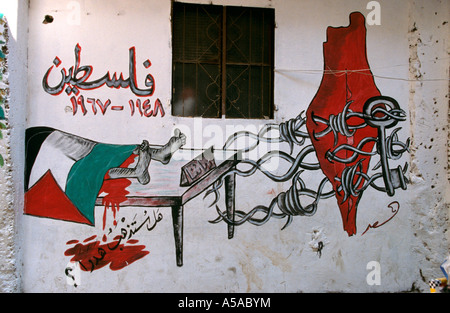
(65, 173)
(347, 125)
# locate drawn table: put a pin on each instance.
(164, 190)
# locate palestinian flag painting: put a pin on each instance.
(64, 173)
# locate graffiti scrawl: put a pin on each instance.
(76, 79)
(92, 254)
(71, 82)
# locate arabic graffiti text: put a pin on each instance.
(77, 79)
(93, 255)
(96, 106)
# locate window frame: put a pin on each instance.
(269, 107)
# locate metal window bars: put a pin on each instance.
(222, 61)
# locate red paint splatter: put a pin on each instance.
(92, 255)
(116, 192)
(90, 238)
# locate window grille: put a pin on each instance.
(222, 61)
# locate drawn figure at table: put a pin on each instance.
(65, 173)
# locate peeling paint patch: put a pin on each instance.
(8, 275)
(318, 241)
(4, 90)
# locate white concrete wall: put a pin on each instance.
(408, 54)
(14, 33)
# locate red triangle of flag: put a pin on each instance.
(47, 199)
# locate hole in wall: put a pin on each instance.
(47, 19)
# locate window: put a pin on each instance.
(222, 61)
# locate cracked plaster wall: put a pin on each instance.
(13, 91)
(7, 245)
(428, 38)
